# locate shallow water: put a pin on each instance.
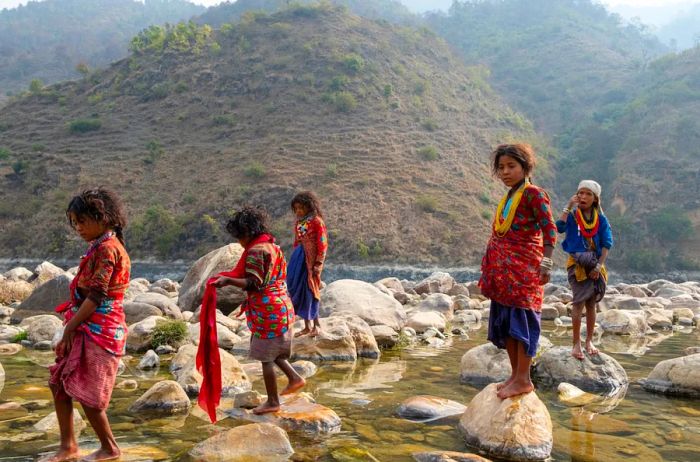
(366, 395)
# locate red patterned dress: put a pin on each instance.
(510, 269)
(312, 235)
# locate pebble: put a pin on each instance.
(436, 369)
(128, 385)
(165, 350)
(674, 436)
(44, 345)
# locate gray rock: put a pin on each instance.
(41, 328)
(165, 350)
(385, 336)
(420, 321)
(44, 345)
(593, 373)
(435, 283)
(258, 441)
(45, 272)
(18, 274)
(150, 360)
(48, 295)
(427, 408)
(166, 304)
(459, 289)
(364, 300)
(165, 397)
(136, 312)
(677, 377)
(440, 303)
(305, 368)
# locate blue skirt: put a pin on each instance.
(305, 305)
(521, 324)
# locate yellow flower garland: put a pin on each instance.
(501, 226)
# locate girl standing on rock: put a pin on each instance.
(261, 272)
(306, 264)
(517, 264)
(588, 240)
(94, 332)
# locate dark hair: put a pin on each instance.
(521, 152)
(309, 200)
(248, 222)
(103, 206)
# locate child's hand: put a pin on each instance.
(594, 275)
(573, 201)
(545, 276)
(64, 345)
(222, 282)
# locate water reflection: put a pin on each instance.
(362, 377)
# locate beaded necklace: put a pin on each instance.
(588, 229)
(501, 224)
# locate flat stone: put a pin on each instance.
(585, 421)
(364, 300)
(677, 376)
(9, 349)
(233, 378)
(428, 408)
(583, 447)
(248, 399)
(421, 321)
(447, 456)
(49, 424)
(599, 372)
(258, 441)
(165, 397)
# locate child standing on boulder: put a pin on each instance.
(94, 333)
(588, 240)
(261, 272)
(306, 264)
(517, 264)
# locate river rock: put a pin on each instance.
(586, 421)
(165, 304)
(149, 361)
(225, 337)
(258, 441)
(49, 424)
(549, 313)
(435, 283)
(487, 363)
(593, 373)
(304, 368)
(467, 317)
(167, 285)
(10, 349)
(166, 397)
(421, 321)
(14, 291)
(656, 319)
(385, 336)
(447, 456)
(45, 272)
(136, 312)
(233, 378)
(141, 333)
(298, 412)
(18, 274)
(365, 343)
(440, 303)
(192, 288)
(623, 322)
(41, 328)
(428, 408)
(48, 295)
(517, 428)
(8, 333)
(128, 384)
(364, 300)
(677, 376)
(688, 351)
(335, 342)
(248, 399)
(459, 289)
(393, 284)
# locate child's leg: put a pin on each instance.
(273, 400)
(521, 382)
(590, 326)
(316, 328)
(576, 312)
(512, 349)
(296, 381)
(305, 330)
(108, 445)
(68, 448)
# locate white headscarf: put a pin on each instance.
(592, 186)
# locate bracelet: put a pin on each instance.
(566, 210)
(598, 267)
(547, 264)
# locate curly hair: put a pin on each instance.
(103, 206)
(248, 222)
(521, 152)
(310, 201)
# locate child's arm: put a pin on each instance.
(561, 223)
(86, 309)
(321, 246)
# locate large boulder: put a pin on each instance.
(258, 441)
(435, 283)
(517, 428)
(14, 291)
(393, 284)
(677, 376)
(18, 274)
(623, 322)
(364, 300)
(427, 408)
(224, 336)
(365, 343)
(487, 363)
(216, 261)
(335, 342)
(385, 336)
(440, 303)
(594, 373)
(136, 312)
(48, 295)
(141, 333)
(164, 303)
(233, 378)
(45, 272)
(165, 397)
(41, 327)
(421, 321)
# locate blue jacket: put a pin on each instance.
(575, 243)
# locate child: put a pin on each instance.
(306, 264)
(517, 264)
(261, 272)
(588, 241)
(94, 333)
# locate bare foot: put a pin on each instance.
(576, 352)
(314, 332)
(590, 349)
(102, 454)
(304, 331)
(501, 385)
(62, 455)
(516, 388)
(293, 386)
(266, 408)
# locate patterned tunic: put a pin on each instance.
(268, 308)
(311, 233)
(104, 279)
(510, 269)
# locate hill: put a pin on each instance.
(390, 128)
(47, 40)
(683, 32)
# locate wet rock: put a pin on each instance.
(192, 288)
(459, 289)
(487, 363)
(45, 272)
(427, 408)
(447, 456)
(141, 333)
(149, 361)
(183, 367)
(127, 385)
(335, 342)
(47, 296)
(305, 368)
(549, 313)
(248, 399)
(517, 428)
(364, 300)
(623, 322)
(10, 349)
(44, 345)
(435, 283)
(41, 328)
(8, 333)
(599, 372)
(598, 403)
(298, 412)
(585, 421)
(49, 424)
(688, 351)
(677, 376)
(10, 410)
(259, 441)
(136, 312)
(385, 336)
(421, 321)
(167, 285)
(225, 337)
(467, 317)
(659, 321)
(439, 303)
(165, 350)
(582, 447)
(164, 303)
(166, 397)
(18, 274)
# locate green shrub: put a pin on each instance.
(670, 223)
(363, 250)
(388, 90)
(224, 119)
(155, 151)
(342, 101)
(84, 125)
(255, 170)
(35, 86)
(485, 198)
(429, 153)
(353, 63)
(38, 147)
(430, 125)
(332, 170)
(5, 153)
(171, 333)
(485, 214)
(96, 98)
(20, 166)
(427, 203)
(181, 87)
(338, 83)
(19, 337)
